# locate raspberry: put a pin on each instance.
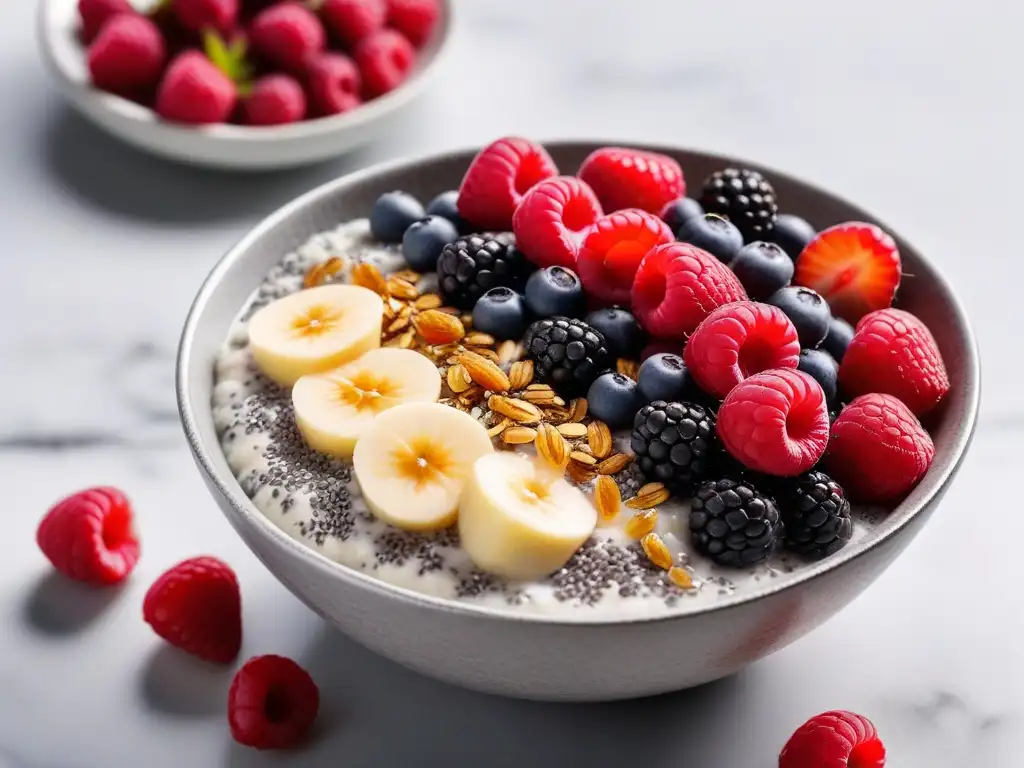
(739, 340)
(196, 606)
(834, 739)
(333, 84)
(631, 178)
(414, 18)
(895, 353)
(127, 55)
(552, 219)
(95, 13)
(89, 536)
(612, 251)
(879, 450)
(275, 100)
(775, 422)
(272, 703)
(384, 59)
(194, 91)
(677, 286)
(349, 21)
(497, 179)
(200, 15)
(287, 35)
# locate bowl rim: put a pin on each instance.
(75, 84)
(245, 513)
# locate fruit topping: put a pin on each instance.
(196, 606)
(679, 211)
(567, 353)
(816, 516)
(501, 312)
(733, 523)
(763, 268)
(775, 422)
(272, 703)
(822, 367)
(674, 443)
(838, 338)
(677, 286)
(392, 214)
(792, 233)
(274, 100)
(334, 84)
(632, 178)
(414, 18)
(350, 21)
(424, 240)
(288, 35)
(195, 91)
(613, 249)
(663, 376)
(855, 267)
(834, 740)
(552, 219)
(497, 179)
(413, 462)
(744, 197)
(895, 353)
(127, 55)
(315, 330)
(385, 60)
(520, 520)
(202, 15)
(472, 265)
(446, 205)
(879, 451)
(737, 341)
(807, 310)
(90, 537)
(95, 13)
(714, 234)
(555, 291)
(614, 399)
(621, 331)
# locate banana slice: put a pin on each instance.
(519, 520)
(315, 330)
(333, 409)
(413, 462)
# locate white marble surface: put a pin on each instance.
(910, 108)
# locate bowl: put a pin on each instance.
(537, 657)
(231, 147)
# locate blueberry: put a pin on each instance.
(808, 312)
(792, 233)
(680, 211)
(613, 399)
(657, 346)
(840, 334)
(763, 268)
(555, 291)
(423, 241)
(501, 313)
(716, 235)
(621, 331)
(822, 368)
(444, 205)
(663, 377)
(392, 214)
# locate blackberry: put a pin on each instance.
(733, 523)
(745, 198)
(567, 352)
(816, 514)
(470, 266)
(674, 443)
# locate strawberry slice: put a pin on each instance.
(854, 266)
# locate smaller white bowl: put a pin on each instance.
(231, 147)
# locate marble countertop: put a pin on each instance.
(907, 108)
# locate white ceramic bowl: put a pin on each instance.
(579, 658)
(231, 147)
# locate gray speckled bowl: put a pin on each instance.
(537, 657)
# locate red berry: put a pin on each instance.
(552, 219)
(738, 340)
(879, 450)
(274, 100)
(613, 249)
(196, 606)
(95, 13)
(287, 35)
(333, 84)
(854, 266)
(894, 352)
(414, 18)
(90, 536)
(200, 15)
(497, 179)
(659, 346)
(272, 703)
(349, 21)
(834, 740)
(194, 91)
(127, 55)
(631, 178)
(384, 59)
(677, 286)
